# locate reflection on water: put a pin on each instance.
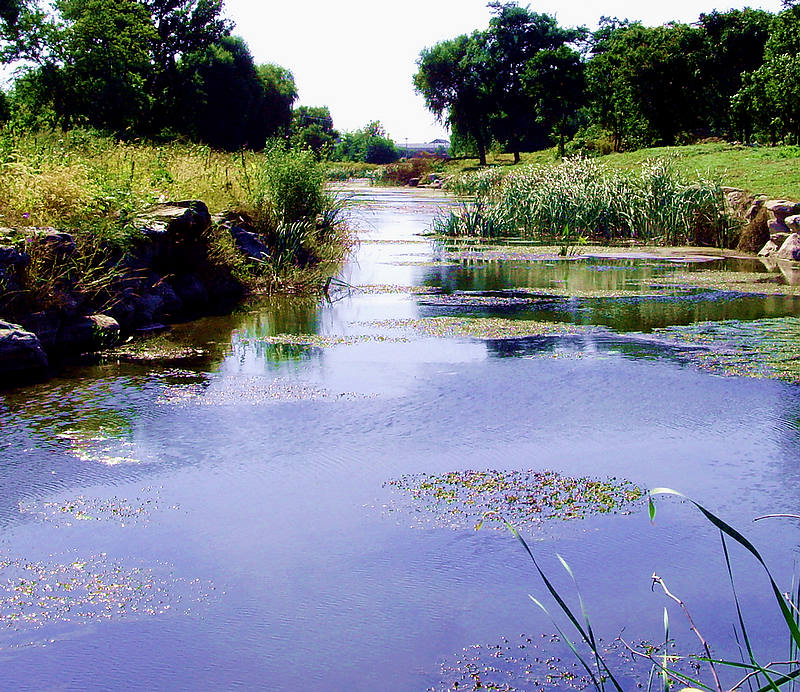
(271, 458)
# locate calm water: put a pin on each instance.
(224, 522)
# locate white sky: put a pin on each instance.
(358, 56)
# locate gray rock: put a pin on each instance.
(21, 354)
(790, 250)
(782, 208)
(790, 271)
(191, 290)
(55, 243)
(45, 325)
(793, 223)
(770, 249)
(777, 226)
(249, 243)
(88, 334)
(186, 220)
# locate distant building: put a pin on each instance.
(439, 147)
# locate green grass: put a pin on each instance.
(773, 171)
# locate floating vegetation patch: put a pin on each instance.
(757, 283)
(33, 594)
(536, 664)
(379, 289)
(251, 390)
(320, 341)
(760, 348)
(155, 350)
(117, 510)
(464, 499)
(480, 328)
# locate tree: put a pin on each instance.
(453, 78)
(369, 144)
(554, 81)
(736, 41)
(514, 42)
(279, 95)
(644, 82)
(312, 128)
(182, 28)
(99, 70)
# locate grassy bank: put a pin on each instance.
(773, 171)
(97, 188)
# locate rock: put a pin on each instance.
(146, 306)
(777, 226)
(790, 271)
(249, 243)
(413, 182)
(756, 233)
(770, 249)
(191, 290)
(738, 201)
(793, 223)
(58, 244)
(755, 207)
(11, 257)
(790, 250)
(782, 208)
(87, 334)
(779, 238)
(45, 325)
(184, 221)
(21, 354)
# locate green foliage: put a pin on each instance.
(369, 145)
(655, 204)
(312, 128)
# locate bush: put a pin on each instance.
(403, 172)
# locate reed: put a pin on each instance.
(657, 204)
(781, 672)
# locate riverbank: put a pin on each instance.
(93, 253)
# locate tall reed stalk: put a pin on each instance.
(657, 205)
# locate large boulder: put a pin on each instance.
(51, 242)
(21, 354)
(790, 250)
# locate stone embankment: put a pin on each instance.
(771, 226)
(167, 274)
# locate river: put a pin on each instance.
(250, 514)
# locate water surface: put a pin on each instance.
(227, 520)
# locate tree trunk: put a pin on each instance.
(516, 156)
(481, 149)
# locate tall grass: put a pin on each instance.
(655, 204)
(96, 188)
(779, 673)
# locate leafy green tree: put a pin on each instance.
(554, 82)
(312, 128)
(369, 144)
(454, 79)
(644, 82)
(514, 42)
(182, 28)
(98, 71)
(736, 41)
(279, 95)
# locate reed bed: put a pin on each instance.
(583, 199)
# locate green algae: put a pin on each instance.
(463, 499)
(767, 348)
(121, 511)
(479, 327)
(86, 589)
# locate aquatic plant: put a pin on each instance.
(595, 201)
(466, 498)
(770, 676)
